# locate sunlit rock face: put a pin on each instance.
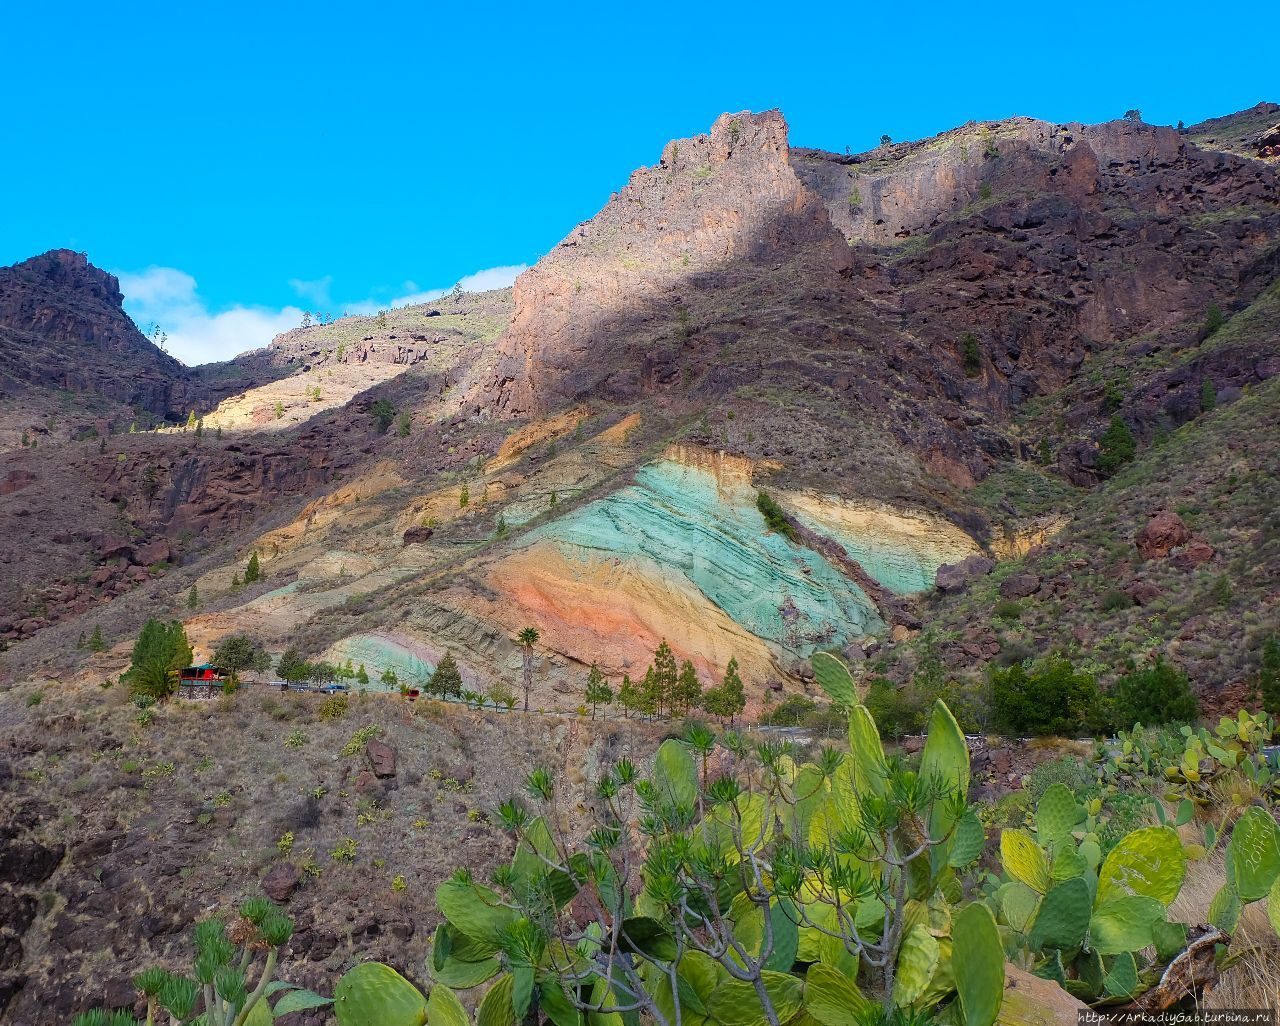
(901, 549)
(682, 554)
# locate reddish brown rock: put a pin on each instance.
(1195, 553)
(157, 551)
(281, 881)
(1143, 593)
(1164, 532)
(954, 577)
(382, 758)
(1019, 586)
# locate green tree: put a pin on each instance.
(362, 676)
(159, 653)
(527, 639)
(96, 641)
(292, 667)
(1159, 693)
(191, 419)
(1117, 446)
(383, 413)
(389, 678)
(446, 682)
(1208, 395)
(279, 409)
(1133, 115)
(464, 497)
(236, 653)
(1213, 320)
(970, 355)
(500, 529)
(687, 693)
(1269, 676)
(666, 677)
(598, 691)
(628, 696)
(200, 428)
(253, 570)
(1053, 698)
(729, 698)
(193, 598)
(150, 485)
(404, 423)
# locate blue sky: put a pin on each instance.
(238, 163)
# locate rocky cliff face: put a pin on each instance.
(63, 326)
(738, 268)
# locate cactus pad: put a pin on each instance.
(977, 961)
(373, 994)
(1149, 862)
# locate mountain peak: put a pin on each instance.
(66, 267)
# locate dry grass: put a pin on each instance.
(1254, 981)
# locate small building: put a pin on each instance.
(200, 681)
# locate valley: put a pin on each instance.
(953, 414)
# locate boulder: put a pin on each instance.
(417, 535)
(1019, 586)
(155, 551)
(382, 758)
(1193, 554)
(1164, 532)
(281, 881)
(1143, 593)
(954, 577)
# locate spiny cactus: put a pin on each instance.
(1081, 919)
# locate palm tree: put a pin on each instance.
(528, 638)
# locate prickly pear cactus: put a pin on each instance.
(977, 962)
(374, 994)
(835, 679)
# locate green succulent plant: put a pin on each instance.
(775, 889)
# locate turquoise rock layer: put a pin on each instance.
(377, 653)
(689, 523)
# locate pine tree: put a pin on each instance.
(598, 691)
(191, 419)
(446, 681)
(362, 676)
(1117, 446)
(292, 667)
(200, 428)
(236, 582)
(389, 678)
(687, 694)
(193, 598)
(159, 653)
(464, 497)
(729, 699)
(96, 642)
(650, 695)
(662, 688)
(628, 696)
(253, 571)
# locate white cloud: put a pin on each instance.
(481, 281)
(317, 291)
(169, 299)
(493, 278)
